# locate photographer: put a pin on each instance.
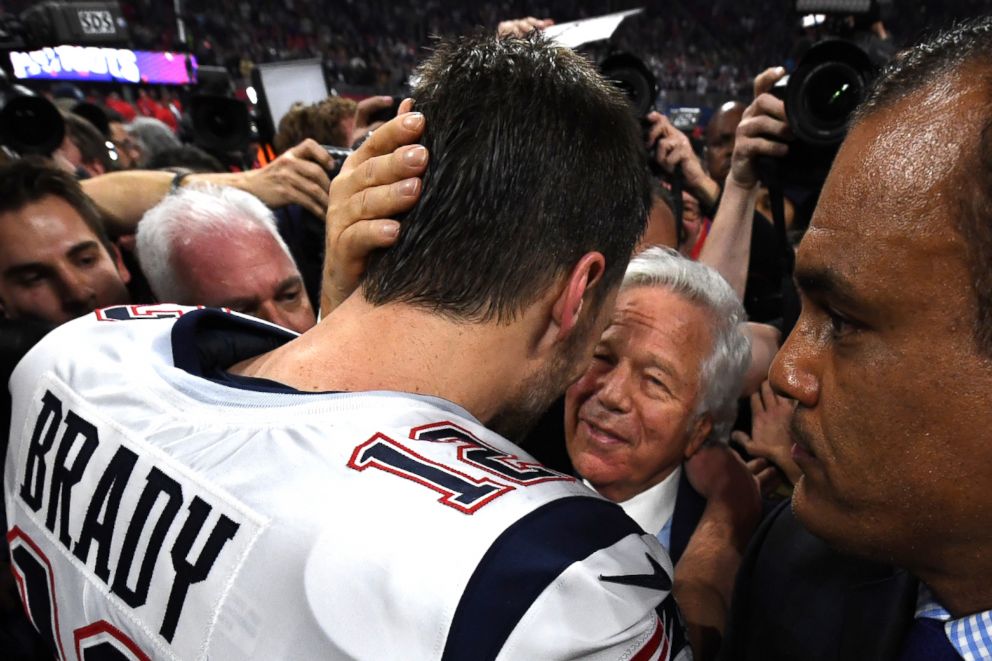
(748, 257)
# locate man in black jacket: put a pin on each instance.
(890, 365)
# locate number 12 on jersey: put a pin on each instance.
(457, 488)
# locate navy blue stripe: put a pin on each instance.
(522, 563)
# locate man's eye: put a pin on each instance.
(29, 279)
(291, 295)
(840, 326)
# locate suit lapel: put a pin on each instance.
(689, 506)
(877, 615)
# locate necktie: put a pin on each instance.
(926, 641)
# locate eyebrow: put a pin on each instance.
(82, 247)
(291, 281)
(652, 363)
(826, 283)
(28, 267)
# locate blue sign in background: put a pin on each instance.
(108, 65)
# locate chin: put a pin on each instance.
(846, 531)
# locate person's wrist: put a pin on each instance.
(734, 181)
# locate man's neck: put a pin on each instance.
(965, 589)
(360, 347)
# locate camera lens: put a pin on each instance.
(31, 125)
(827, 86)
(830, 93)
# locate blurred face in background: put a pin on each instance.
(248, 272)
(128, 149)
(53, 267)
(720, 138)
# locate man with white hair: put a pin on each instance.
(218, 247)
(664, 381)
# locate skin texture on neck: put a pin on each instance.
(482, 367)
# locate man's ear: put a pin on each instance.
(701, 429)
(567, 308)
(118, 259)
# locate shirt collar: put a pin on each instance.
(970, 635)
(653, 508)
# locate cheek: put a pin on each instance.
(574, 397)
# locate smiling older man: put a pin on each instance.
(663, 381)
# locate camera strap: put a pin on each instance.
(777, 200)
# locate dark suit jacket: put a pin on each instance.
(795, 598)
(689, 506)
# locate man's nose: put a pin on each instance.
(614, 388)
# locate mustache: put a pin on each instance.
(800, 435)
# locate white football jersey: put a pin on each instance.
(160, 507)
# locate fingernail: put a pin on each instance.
(390, 229)
(413, 120)
(409, 187)
(415, 156)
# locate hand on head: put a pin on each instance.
(380, 180)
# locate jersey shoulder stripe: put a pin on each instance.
(529, 555)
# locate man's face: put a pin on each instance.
(630, 419)
(128, 150)
(893, 416)
(249, 273)
(53, 267)
(721, 133)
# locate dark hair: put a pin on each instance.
(32, 178)
(188, 158)
(535, 160)
(967, 44)
(91, 143)
(113, 117)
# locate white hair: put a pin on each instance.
(188, 213)
(721, 374)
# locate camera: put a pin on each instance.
(29, 124)
(820, 95)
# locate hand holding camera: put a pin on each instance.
(763, 130)
(673, 149)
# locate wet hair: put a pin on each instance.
(721, 374)
(535, 160)
(32, 178)
(967, 45)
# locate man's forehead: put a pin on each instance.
(900, 170)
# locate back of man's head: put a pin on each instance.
(535, 160)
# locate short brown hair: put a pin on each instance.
(320, 121)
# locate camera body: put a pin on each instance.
(820, 95)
